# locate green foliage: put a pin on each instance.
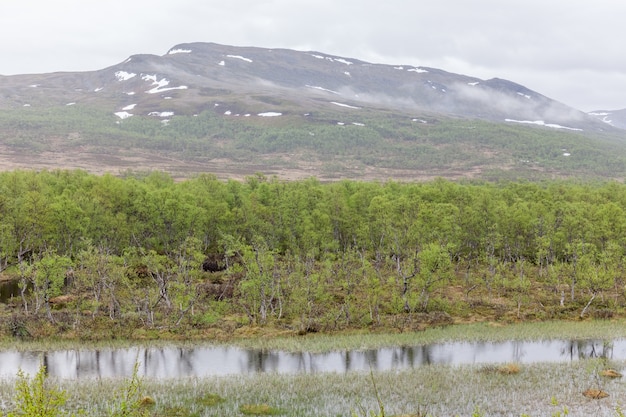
(307, 254)
(34, 398)
(379, 140)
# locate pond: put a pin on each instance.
(204, 361)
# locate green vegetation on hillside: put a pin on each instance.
(149, 253)
(342, 143)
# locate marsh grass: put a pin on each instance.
(437, 391)
(361, 340)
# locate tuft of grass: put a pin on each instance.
(146, 402)
(509, 369)
(610, 373)
(210, 400)
(506, 369)
(595, 394)
(259, 410)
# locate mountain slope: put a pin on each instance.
(235, 111)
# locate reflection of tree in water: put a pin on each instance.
(371, 358)
(185, 365)
(402, 356)
(260, 361)
(587, 349)
(413, 356)
(518, 351)
(181, 362)
(173, 362)
(305, 362)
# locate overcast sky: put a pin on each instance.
(569, 50)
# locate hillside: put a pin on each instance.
(236, 111)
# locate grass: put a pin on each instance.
(362, 340)
(478, 332)
(537, 390)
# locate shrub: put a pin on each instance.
(33, 398)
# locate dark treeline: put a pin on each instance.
(307, 255)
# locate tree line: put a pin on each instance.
(306, 254)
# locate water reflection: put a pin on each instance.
(202, 361)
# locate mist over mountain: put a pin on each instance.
(616, 118)
(191, 76)
(214, 107)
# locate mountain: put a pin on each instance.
(615, 118)
(234, 111)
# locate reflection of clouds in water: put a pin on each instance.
(202, 361)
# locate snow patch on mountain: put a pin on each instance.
(179, 51)
(418, 70)
(322, 89)
(239, 57)
(604, 116)
(344, 105)
(161, 114)
(542, 123)
(270, 114)
(341, 60)
(123, 114)
(124, 76)
(161, 85)
(331, 59)
(129, 107)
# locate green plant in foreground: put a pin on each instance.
(477, 412)
(33, 398)
(133, 403)
(381, 407)
(559, 413)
